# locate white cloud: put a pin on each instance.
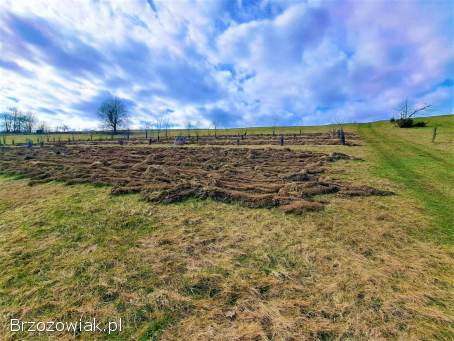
(305, 62)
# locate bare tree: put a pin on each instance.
(214, 124)
(114, 113)
(7, 122)
(166, 125)
(15, 121)
(158, 125)
(406, 115)
(42, 128)
(29, 122)
(147, 125)
(196, 128)
(188, 128)
(275, 120)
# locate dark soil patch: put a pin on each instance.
(254, 177)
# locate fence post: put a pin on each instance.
(434, 134)
(342, 137)
(282, 140)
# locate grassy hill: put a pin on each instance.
(424, 169)
(364, 268)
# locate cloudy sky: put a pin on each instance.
(235, 62)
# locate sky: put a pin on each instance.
(233, 62)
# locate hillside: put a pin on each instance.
(372, 267)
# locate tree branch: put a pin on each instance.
(425, 107)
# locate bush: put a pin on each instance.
(404, 122)
(420, 124)
(409, 123)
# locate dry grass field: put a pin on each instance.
(363, 267)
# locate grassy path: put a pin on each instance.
(426, 173)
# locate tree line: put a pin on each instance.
(16, 121)
(112, 112)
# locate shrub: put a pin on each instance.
(420, 124)
(409, 123)
(404, 122)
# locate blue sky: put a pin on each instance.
(236, 62)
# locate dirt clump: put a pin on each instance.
(361, 191)
(301, 206)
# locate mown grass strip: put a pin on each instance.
(427, 177)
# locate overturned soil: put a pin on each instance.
(291, 180)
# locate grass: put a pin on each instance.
(424, 169)
(364, 268)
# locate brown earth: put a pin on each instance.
(291, 180)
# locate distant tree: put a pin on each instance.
(7, 122)
(158, 125)
(29, 122)
(166, 126)
(214, 124)
(114, 113)
(42, 128)
(188, 128)
(196, 128)
(406, 115)
(275, 120)
(16, 121)
(147, 125)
